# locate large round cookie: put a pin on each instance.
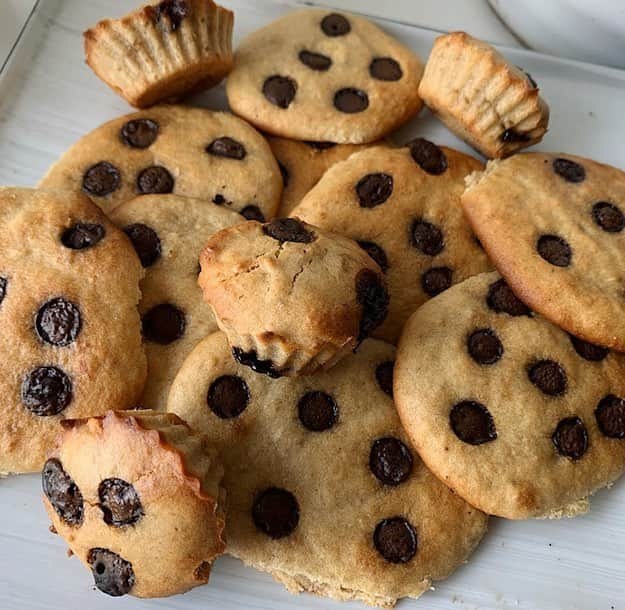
(323, 76)
(173, 149)
(519, 418)
(403, 206)
(168, 233)
(324, 491)
(71, 347)
(553, 225)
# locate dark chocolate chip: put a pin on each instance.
(472, 423)
(384, 376)
(280, 90)
(335, 25)
(430, 158)
(174, 10)
(219, 199)
(511, 135)
(315, 61)
(285, 174)
(385, 68)
(250, 359)
(155, 179)
(119, 502)
(276, 512)
(374, 189)
(146, 243)
(608, 216)
(317, 411)
(288, 229)
(373, 296)
(82, 235)
(390, 460)
(46, 390)
(569, 170)
(427, 237)
(58, 322)
(571, 438)
(112, 574)
(227, 147)
(228, 396)
(554, 250)
(484, 346)
(320, 145)
(549, 377)
(351, 100)
(62, 492)
(501, 299)
(163, 324)
(589, 351)
(436, 280)
(395, 539)
(376, 253)
(3, 288)
(252, 212)
(101, 179)
(139, 133)
(610, 414)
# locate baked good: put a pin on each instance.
(303, 163)
(69, 287)
(186, 151)
(324, 490)
(137, 497)
(323, 76)
(516, 416)
(291, 298)
(162, 51)
(553, 225)
(168, 233)
(484, 99)
(403, 207)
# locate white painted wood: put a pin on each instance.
(579, 564)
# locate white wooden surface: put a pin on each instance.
(49, 101)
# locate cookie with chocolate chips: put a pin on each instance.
(168, 233)
(519, 418)
(186, 151)
(291, 298)
(403, 207)
(324, 490)
(554, 226)
(326, 77)
(137, 496)
(69, 287)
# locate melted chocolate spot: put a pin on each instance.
(571, 438)
(484, 346)
(228, 148)
(501, 299)
(139, 133)
(428, 156)
(276, 512)
(111, 574)
(608, 216)
(569, 170)
(511, 135)
(288, 229)
(82, 235)
(46, 391)
(427, 237)
(436, 280)
(554, 250)
(317, 411)
(101, 179)
(384, 376)
(155, 179)
(280, 90)
(62, 492)
(58, 322)
(250, 359)
(3, 289)
(119, 502)
(351, 100)
(549, 377)
(374, 189)
(228, 396)
(390, 460)
(252, 212)
(376, 253)
(589, 351)
(174, 10)
(385, 68)
(395, 539)
(472, 423)
(335, 25)
(373, 296)
(610, 414)
(163, 324)
(315, 61)
(146, 243)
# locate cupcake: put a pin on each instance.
(137, 497)
(488, 102)
(163, 51)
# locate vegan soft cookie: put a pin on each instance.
(324, 490)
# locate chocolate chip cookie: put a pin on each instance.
(324, 76)
(137, 497)
(168, 233)
(290, 297)
(173, 149)
(403, 207)
(71, 347)
(516, 416)
(324, 490)
(553, 225)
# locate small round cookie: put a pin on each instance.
(554, 226)
(291, 299)
(403, 207)
(516, 416)
(324, 490)
(186, 151)
(323, 76)
(137, 497)
(71, 347)
(303, 163)
(168, 233)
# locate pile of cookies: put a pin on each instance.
(203, 326)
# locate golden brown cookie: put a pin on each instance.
(137, 497)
